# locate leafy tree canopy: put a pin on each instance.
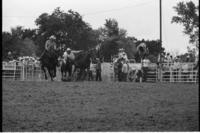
(188, 16)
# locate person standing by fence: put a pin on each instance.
(98, 70)
(10, 56)
(91, 70)
(145, 65)
(124, 70)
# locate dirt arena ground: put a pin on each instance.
(99, 106)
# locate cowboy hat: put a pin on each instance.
(52, 37)
(68, 49)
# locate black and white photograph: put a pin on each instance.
(100, 65)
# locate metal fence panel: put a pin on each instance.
(174, 72)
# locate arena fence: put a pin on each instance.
(181, 72)
(23, 72)
(177, 72)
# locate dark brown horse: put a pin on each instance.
(49, 60)
(66, 67)
(82, 62)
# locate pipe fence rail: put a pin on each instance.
(165, 72)
(178, 72)
(23, 72)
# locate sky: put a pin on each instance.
(139, 17)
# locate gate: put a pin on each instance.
(19, 71)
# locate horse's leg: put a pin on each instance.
(54, 71)
(62, 67)
(74, 70)
(79, 77)
(62, 73)
(70, 70)
(64, 70)
(81, 74)
(84, 75)
(50, 73)
(45, 75)
(73, 73)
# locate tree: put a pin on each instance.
(114, 38)
(69, 28)
(111, 27)
(16, 44)
(108, 37)
(188, 16)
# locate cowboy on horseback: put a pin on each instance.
(50, 47)
(49, 57)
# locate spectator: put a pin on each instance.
(10, 56)
(124, 70)
(145, 65)
(171, 58)
(90, 71)
(167, 58)
(188, 58)
(98, 70)
(120, 74)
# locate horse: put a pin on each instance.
(143, 52)
(82, 62)
(49, 60)
(66, 67)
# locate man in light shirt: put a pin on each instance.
(145, 64)
(69, 55)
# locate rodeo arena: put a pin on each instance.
(122, 95)
(81, 79)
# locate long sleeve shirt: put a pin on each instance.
(50, 45)
(71, 56)
(125, 68)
